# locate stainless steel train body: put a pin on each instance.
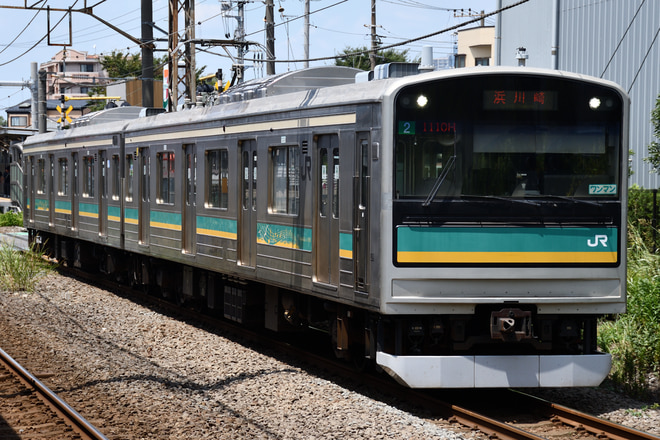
(463, 228)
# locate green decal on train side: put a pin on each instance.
(165, 220)
(345, 245)
(506, 245)
(90, 210)
(41, 205)
(216, 227)
(114, 213)
(131, 216)
(285, 236)
(62, 207)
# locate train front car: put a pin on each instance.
(505, 223)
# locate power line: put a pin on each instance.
(20, 33)
(37, 43)
(622, 38)
(412, 40)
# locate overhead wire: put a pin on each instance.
(623, 37)
(38, 42)
(7, 46)
(412, 40)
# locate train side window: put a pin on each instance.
(41, 176)
(63, 177)
(115, 177)
(88, 176)
(323, 188)
(129, 177)
(285, 180)
(217, 179)
(165, 178)
(335, 183)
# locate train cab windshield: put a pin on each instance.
(507, 137)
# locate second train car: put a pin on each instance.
(463, 228)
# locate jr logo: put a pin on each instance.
(598, 239)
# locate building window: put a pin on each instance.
(88, 176)
(63, 177)
(165, 178)
(129, 177)
(87, 67)
(482, 61)
(84, 90)
(285, 180)
(41, 176)
(217, 175)
(18, 121)
(460, 61)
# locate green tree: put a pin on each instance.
(3, 123)
(358, 57)
(654, 146)
(121, 65)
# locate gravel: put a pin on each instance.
(139, 374)
(136, 373)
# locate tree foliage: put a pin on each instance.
(123, 65)
(654, 146)
(358, 57)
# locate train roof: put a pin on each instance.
(289, 82)
(314, 87)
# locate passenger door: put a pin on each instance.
(326, 248)
(75, 192)
(361, 215)
(51, 188)
(103, 194)
(31, 191)
(189, 199)
(144, 214)
(247, 231)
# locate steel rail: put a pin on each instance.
(595, 425)
(77, 422)
(600, 427)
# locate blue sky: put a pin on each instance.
(335, 25)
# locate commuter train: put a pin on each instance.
(460, 229)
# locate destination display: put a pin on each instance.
(520, 100)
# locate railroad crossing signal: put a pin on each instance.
(64, 113)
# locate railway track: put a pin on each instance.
(31, 410)
(500, 419)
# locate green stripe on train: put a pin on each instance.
(114, 213)
(345, 245)
(165, 220)
(511, 245)
(88, 210)
(217, 227)
(62, 207)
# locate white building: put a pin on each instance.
(618, 40)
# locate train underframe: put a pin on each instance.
(355, 334)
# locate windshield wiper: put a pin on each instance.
(439, 181)
(504, 199)
(570, 199)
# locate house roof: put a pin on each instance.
(51, 104)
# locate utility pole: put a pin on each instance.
(270, 38)
(306, 34)
(181, 86)
(374, 37)
(42, 100)
(147, 54)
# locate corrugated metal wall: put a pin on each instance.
(613, 39)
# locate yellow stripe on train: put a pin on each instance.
(507, 257)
